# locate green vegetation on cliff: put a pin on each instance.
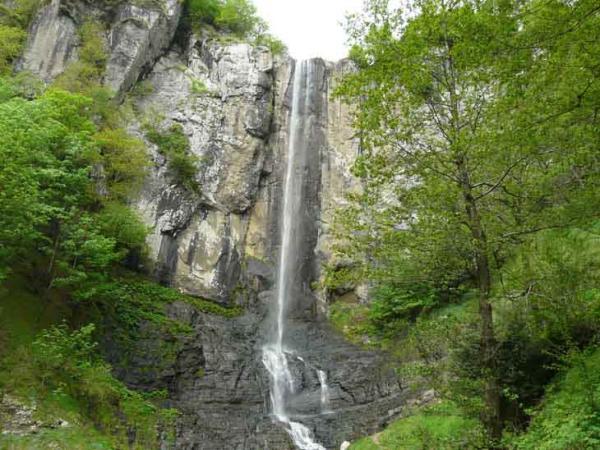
(56, 376)
(236, 17)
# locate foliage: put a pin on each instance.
(237, 17)
(14, 21)
(274, 44)
(22, 84)
(11, 40)
(19, 13)
(464, 157)
(203, 11)
(51, 196)
(351, 319)
(547, 308)
(134, 299)
(392, 304)
(550, 306)
(85, 74)
(63, 372)
(552, 286)
(174, 145)
(124, 162)
(569, 417)
(45, 151)
(121, 223)
(198, 86)
(434, 427)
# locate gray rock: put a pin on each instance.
(220, 95)
(138, 36)
(51, 44)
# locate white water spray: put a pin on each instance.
(274, 354)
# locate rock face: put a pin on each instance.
(136, 36)
(232, 104)
(223, 99)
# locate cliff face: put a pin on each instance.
(232, 102)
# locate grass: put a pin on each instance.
(439, 427)
(72, 438)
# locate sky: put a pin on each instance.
(309, 28)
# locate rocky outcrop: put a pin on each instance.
(19, 419)
(52, 43)
(223, 99)
(136, 35)
(219, 241)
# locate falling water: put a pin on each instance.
(324, 390)
(275, 355)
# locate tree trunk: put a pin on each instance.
(487, 346)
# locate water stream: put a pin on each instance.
(275, 354)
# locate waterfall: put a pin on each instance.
(275, 353)
(324, 390)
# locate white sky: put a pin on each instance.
(309, 28)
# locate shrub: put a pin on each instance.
(20, 13)
(124, 161)
(86, 73)
(276, 46)
(174, 145)
(238, 17)
(439, 426)
(122, 224)
(11, 42)
(569, 417)
(205, 11)
(394, 305)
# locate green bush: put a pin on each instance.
(203, 11)
(274, 44)
(11, 43)
(238, 17)
(20, 13)
(393, 306)
(86, 73)
(569, 417)
(174, 145)
(123, 224)
(124, 162)
(351, 319)
(134, 299)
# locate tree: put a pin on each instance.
(444, 129)
(237, 16)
